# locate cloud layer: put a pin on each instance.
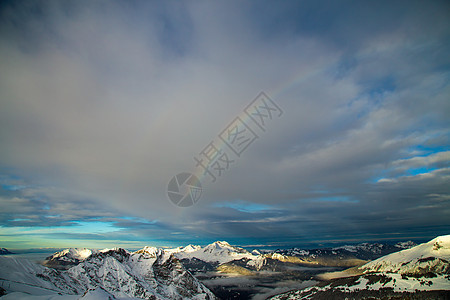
(101, 103)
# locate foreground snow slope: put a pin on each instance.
(433, 256)
(421, 272)
(23, 275)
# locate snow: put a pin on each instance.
(300, 252)
(432, 256)
(219, 252)
(24, 276)
(402, 271)
(77, 254)
(97, 294)
(256, 252)
(374, 248)
(405, 245)
(347, 248)
(24, 296)
(146, 274)
(73, 253)
(396, 282)
(400, 284)
(257, 262)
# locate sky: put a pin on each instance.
(103, 102)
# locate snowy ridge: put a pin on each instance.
(421, 272)
(383, 286)
(375, 248)
(433, 256)
(25, 276)
(188, 249)
(144, 274)
(405, 245)
(73, 254)
(221, 252)
(217, 252)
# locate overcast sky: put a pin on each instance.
(103, 102)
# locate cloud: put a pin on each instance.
(102, 103)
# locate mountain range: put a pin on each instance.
(189, 272)
(113, 273)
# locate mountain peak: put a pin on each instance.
(219, 245)
(69, 254)
(222, 243)
(149, 251)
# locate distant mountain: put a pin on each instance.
(421, 272)
(144, 274)
(201, 258)
(207, 258)
(4, 251)
(68, 258)
(217, 252)
(210, 257)
(343, 254)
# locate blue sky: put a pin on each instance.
(102, 102)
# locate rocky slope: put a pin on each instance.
(143, 274)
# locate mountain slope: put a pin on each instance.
(421, 272)
(68, 257)
(145, 275)
(433, 256)
(218, 252)
(344, 256)
(24, 276)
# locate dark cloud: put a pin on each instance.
(103, 102)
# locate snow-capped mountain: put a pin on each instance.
(144, 274)
(217, 252)
(68, 257)
(433, 256)
(193, 256)
(421, 272)
(161, 273)
(405, 245)
(197, 258)
(339, 256)
(376, 248)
